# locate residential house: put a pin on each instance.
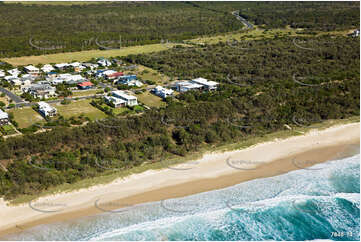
(52, 74)
(41, 90)
(107, 73)
(32, 70)
(207, 85)
(104, 62)
(15, 81)
(128, 78)
(130, 100)
(114, 75)
(115, 102)
(91, 66)
(78, 67)
(162, 92)
(132, 83)
(25, 83)
(61, 66)
(46, 110)
(14, 72)
(185, 86)
(4, 118)
(85, 85)
(47, 68)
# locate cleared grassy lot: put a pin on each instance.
(26, 117)
(249, 35)
(150, 99)
(85, 55)
(85, 93)
(76, 108)
(146, 73)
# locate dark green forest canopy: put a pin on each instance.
(65, 28)
(315, 15)
(77, 27)
(258, 95)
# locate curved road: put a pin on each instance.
(243, 20)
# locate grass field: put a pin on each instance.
(150, 99)
(76, 108)
(249, 35)
(26, 117)
(146, 73)
(85, 55)
(85, 93)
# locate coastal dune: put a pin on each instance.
(213, 171)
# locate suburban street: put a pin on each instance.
(11, 95)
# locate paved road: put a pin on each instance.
(11, 95)
(27, 104)
(243, 20)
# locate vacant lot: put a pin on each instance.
(85, 92)
(76, 108)
(85, 55)
(150, 99)
(26, 117)
(146, 73)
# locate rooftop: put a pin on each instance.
(3, 114)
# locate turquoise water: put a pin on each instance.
(318, 203)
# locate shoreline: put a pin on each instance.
(213, 171)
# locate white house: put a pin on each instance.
(25, 84)
(41, 90)
(4, 118)
(14, 72)
(162, 92)
(46, 110)
(47, 68)
(15, 81)
(32, 70)
(91, 66)
(130, 100)
(61, 65)
(78, 67)
(116, 102)
(186, 86)
(104, 62)
(208, 85)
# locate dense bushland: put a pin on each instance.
(258, 95)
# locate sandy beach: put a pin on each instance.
(212, 171)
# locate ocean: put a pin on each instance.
(320, 202)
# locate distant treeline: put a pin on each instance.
(258, 95)
(38, 29)
(41, 29)
(311, 16)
